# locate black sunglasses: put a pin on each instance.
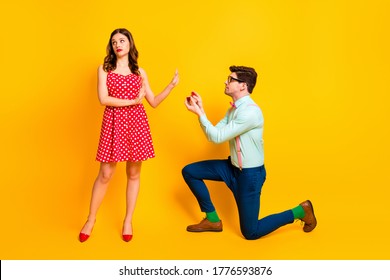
(230, 79)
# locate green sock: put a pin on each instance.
(298, 212)
(212, 217)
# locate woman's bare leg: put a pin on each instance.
(133, 171)
(98, 192)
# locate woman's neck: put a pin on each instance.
(122, 62)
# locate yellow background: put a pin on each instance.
(323, 87)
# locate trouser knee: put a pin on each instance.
(249, 233)
(186, 172)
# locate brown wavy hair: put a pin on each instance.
(246, 74)
(110, 60)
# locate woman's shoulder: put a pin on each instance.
(143, 73)
(100, 68)
(101, 72)
(142, 70)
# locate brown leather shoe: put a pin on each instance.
(309, 219)
(205, 225)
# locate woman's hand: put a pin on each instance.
(141, 95)
(175, 79)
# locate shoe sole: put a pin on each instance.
(314, 216)
(204, 230)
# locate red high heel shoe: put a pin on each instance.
(127, 237)
(83, 237)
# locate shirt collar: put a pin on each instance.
(242, 100)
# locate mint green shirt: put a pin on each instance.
(246, 121)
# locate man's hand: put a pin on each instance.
(194, 104)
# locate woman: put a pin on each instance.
(125, 133)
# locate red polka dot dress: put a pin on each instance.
(125, 133)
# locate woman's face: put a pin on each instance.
(120, 44)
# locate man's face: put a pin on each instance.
(232, 84)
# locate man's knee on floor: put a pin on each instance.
(249, 234)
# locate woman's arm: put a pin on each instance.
(153, 100)
(107, 100)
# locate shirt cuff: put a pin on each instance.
(203, 119)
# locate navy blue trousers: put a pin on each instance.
(245, 184)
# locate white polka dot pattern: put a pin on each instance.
(125, 133)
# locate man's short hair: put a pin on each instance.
(246, 74)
